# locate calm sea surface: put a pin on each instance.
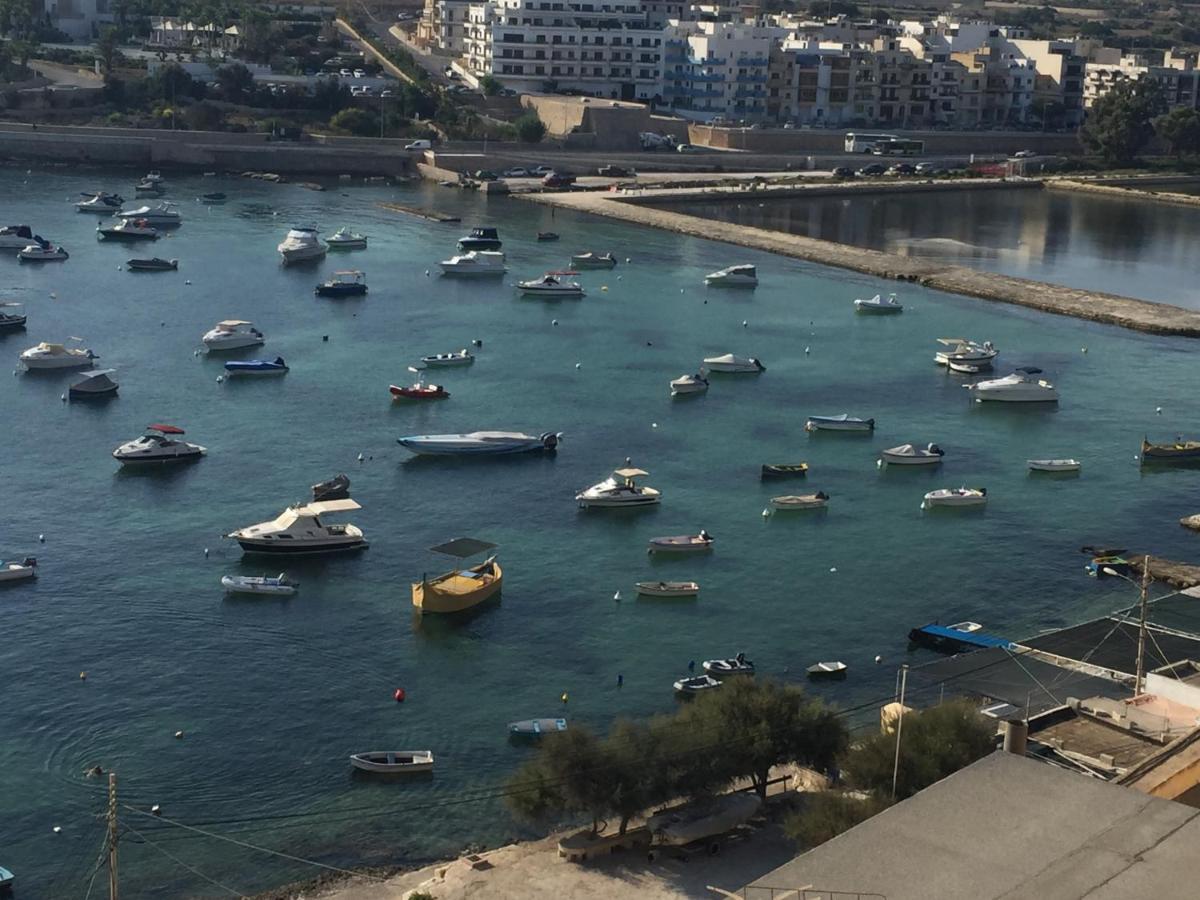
(1139, 249)
(272, 696)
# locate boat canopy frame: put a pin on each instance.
(463, 547)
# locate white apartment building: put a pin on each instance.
(443, 26)
(1177, 74)
(81, 19)
(718, 69)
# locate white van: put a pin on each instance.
(419, 145)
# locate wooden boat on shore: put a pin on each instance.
(459, 589)
(1179, 451)
(393, 762)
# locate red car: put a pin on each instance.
(558, 180)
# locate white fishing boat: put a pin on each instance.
(15, 237)
(56, 356)
(1054, 465)
(958, 497)
(160, 215)
(832, 670)
(393, 762)
(101, 202)
(536, 727)
(682, 543)
(912, 455)
(480, 443)
(18, 571)
(689, 384)
(733, 276)
(696, 684)
(160, 444)
(879, 305)
(42, 250)
(278, 586)
(552, 284)
(704, 819)
(233, 334)
(299, 529)
(301, 244)
(730, 364)
(475, 264)
(965, 352)
(619, 490)
(844, 422)
(668, 588)
(444, 360)
(737, 665)
(345, 239)
(94, 385)
(1022, 386)
(591, 260)
(789, 502)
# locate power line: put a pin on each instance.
(180, 862)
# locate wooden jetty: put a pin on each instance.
(431, 214)
(1177, 574)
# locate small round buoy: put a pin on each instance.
(620, 680)
(649, 343)
(1083, 350)
(83, 676)
(41, 539)
(806, 351)
(691, 665)
(744, 323)
(156, 809)
(361, 457)
(554, 321)
(178, 735)
(477, 343)
(628, 259)
(618, 278)
(57, 829)
(617, 595)
(681, 290)
(63, 398)
(878, 659)
(220, 379)
(603, 287)
(833, 569)
(564, 697)
(325, 338)
(206, 553)
(188, 281)
(1158, 410)
(653, 424)
(53, 295)
(426, 273)
(398, 695)
(706, 303)
(766, 512)
(119, 268)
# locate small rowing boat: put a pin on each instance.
(668, 588)
(785, 470)
(1054, 465)
(536, 727)
(696, 684)
(279, 585)
(682, 543)
(393, 762)
(789, 502)
(827, 670)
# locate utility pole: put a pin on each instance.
(112, 836)
(899, 727)
(1139, 678)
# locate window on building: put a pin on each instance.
(539, 70)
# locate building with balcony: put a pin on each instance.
(1176, 74)
(718, 70)
(442, 26)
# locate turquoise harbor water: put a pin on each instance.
(273, 695)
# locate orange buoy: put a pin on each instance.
(399, 695)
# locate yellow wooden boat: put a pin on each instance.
(459, 589)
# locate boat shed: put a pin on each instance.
(1005, 827)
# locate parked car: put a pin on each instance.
(843, 172)
(926, 169)
(359, 73)
(687, 148)
(345, 73)
(387, 92)
(901, 169)
(485, 175)
(611, 171)
(508, 92)
(558, 180)
(874, 170)
(517, 172)
(419, 145)
(542, 171)
(1024, 154)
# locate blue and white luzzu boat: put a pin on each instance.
(480, 443)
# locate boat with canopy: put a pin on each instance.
(461, 588)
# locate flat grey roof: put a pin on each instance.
(1013, 828)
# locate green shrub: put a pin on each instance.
(530, 128)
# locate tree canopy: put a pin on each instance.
(1180, 128)
(1119, 123)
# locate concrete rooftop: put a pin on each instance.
(1012, 828)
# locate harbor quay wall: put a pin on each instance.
(660, 198)
(825, 141)
(1111, 309)
(1154, 190)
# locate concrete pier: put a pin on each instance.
(1111, 309)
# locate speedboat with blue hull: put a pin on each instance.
(957, 638)
(480, 443)
(257, 367)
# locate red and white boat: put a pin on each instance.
(420, 391)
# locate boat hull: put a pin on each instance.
(159, 459)
(473, 271)
(353, 290)
(876, 309)
(397, 762)
(429, 597)
(427, 447)
(1054, 465)
(277, 548)
(399, 393)
(479, 244)
(668, 588)
(56, 362)
(233, 344)
(305, 254)
(816, 423)
(234, 585)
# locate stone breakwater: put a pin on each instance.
(1110, 309)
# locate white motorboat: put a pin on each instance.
(536, 727)
(393, 762)
(94, 386)
(1054, 465)
(689, 384)
(475, 264)
(101, 202)
(733, 276)
(591, 260)
(15, 237)
(682, 543)
(1022, 386)
(480, 443)
(878, 305)
(958, 497)
(963, 368)
(444, 360)
(160, 444)
(831, 670)
(12, 316)
(18, 571)
(42, 251)
(730, 364)
(696, 684)
(299, 529)
(301, 244)
(619, 490)
(789, 502)
(702, 819)
(737, 665)
(160, 215)
(57, 356)
(233, 334)
(279, 586)
(154, 177)
(668, 588)
(345, 239)
(552, 284)
(127, 230)
(844, 422)
(965, 352)
(912, 455)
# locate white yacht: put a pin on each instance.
(878, 305)
(345, 239)
(42, 251)
(15, 237)
(160, 444)
(17, 571)
(300, 244)
(619, 490)
(127, 230)
(689, 384)
(299, 529)
(1022, 386)
(965, 352)
(958, 497)
(475, 264)
(729, 363)
(912, 455)
(160, 215)
(233, 334)
(733, 276)
(101, 202)
(552, 284)
(57, 356)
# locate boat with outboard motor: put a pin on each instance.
(696, 684)
(418, 391)
(591, 260)
(689, 384)
(159, 215)
(18, 571)
(784, 470)
(12, 316)
(552, 284)
(301, 244)
(793, 502)
(1022, 386)
(1054, 465)
(536, 727)
(912, 455)
(687, 589)
(160, 444)
(277, 586)
(879, 305)
(41, 250)
(459, 589)
(94, 386)
(127, 230)
(1179, 451)
(833, 670)
(737, 665)
(462, 357)
(349, 283)
(955, 497)
(475, 264)
(393, 762)
(57, 356)
(965, 352)
(232, 334)
(299, 529)
(619, 490)
(256, 367)
(480, 443)
(681, 543)
(731, 364)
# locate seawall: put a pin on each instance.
(1110, 309)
